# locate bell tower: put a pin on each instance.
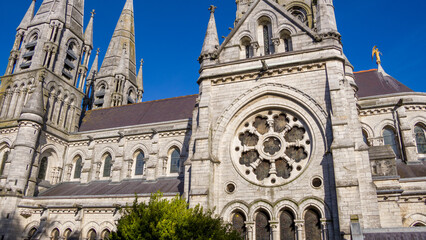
(52, 40)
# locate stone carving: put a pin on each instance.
(271, 147)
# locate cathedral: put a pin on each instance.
(283, 140)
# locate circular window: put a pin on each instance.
(316, 182)
(230, 187)
(271, 148)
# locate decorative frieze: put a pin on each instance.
(269, 73)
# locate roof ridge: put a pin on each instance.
(363, 71)
(158, 100)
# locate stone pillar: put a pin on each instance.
(13, 102)
(299, 228)
(20, 103)
(407, 139)
(324, 229)
(6, 103)
(250, 230)
(275, 233)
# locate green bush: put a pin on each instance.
(163, 219)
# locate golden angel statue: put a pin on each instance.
(376, 53)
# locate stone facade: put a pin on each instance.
(280, 139)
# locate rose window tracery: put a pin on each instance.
(271, 147)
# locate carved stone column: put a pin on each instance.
(299, 228)
(324, 229)
(274, 230)
(250, 230)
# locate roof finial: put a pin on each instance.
(93, 12)
(376, 53)
(142, 62)
(212, 8)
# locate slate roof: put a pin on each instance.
(396, 236)
(164, 110)
(411, 171)
(373, 83)
(106, 188)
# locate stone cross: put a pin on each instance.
(212, 8)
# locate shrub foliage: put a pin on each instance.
(163, 219)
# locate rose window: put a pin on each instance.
(271, 148)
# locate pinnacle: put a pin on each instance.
(28, 16)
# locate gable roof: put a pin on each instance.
(106, 188)
(164, 110)
(374, 83)
(278, 8)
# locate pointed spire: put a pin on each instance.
(326, 17)
(88, 35)
(59, 11)
(139, 81)
(34, 108)
(94, 70)
(123, 39)
(211, 41)
(28, 16)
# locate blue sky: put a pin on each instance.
(169, 36)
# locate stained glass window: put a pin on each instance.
(55, 234)
(263, 230)
(140, 162)
(43, 169)
(77, 169)
(312, 225)
(238, 222)
(91, 235)
(266, 39)
(287, 227)
(107, 166)
(105, 234)
(420, 139)
(67, 234)
(389, 138)
(175, 161)
(3, 162)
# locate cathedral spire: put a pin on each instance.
(211, 41)
(94, 70)
(122, 41)
(88, 35)
(28, 16)
(139, 81)
(59, 11)
(326, 17)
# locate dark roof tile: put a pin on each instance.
(141, 113)
(106, 188)
(374, 83)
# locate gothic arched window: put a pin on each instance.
(105, 234)
(77, 167)
(174, 160)
(70, 62)
(67, 234)
(246, 48)
(300, 13)
(287, 226)
(91, 235)
(29, 51)
(265, 32)
(3, 161)
(55, 234)
(238, 222)
(312, 225)
(43, 168)
(389, 138)
(286, 40)
(365, 137)
(31, 233)
(107, 166)
(263, 229)
(140, 163)
(420, 139)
